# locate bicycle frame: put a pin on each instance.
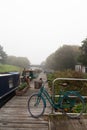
(43, 92)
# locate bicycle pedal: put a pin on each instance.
(55, 109)
(58, 110)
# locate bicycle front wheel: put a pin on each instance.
(73, 105)
(36, 106)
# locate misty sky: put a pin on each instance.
(37, 28)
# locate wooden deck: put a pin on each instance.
(15, 116)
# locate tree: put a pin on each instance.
(3, 55)
(50, 63)
(83, 54)
(63, 58)
(18, 61)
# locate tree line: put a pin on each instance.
(13, 60)
(66, 57)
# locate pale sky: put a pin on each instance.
(37, 28)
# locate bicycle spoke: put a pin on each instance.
(36, 106)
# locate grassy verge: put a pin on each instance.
(8, 68)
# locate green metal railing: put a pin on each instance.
(67, 79)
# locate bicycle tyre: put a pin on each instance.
(36, 109)
(73, 105)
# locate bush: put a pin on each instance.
(80, 86)
(22, 86)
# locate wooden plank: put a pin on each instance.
(24, 121)
(22, 125)
(2, 128)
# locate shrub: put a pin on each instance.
(80, 86)
(22, 86)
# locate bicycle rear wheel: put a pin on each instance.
(36, 106)
(73, 105)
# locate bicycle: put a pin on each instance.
(71, 103)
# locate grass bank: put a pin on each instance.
(8, 68)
